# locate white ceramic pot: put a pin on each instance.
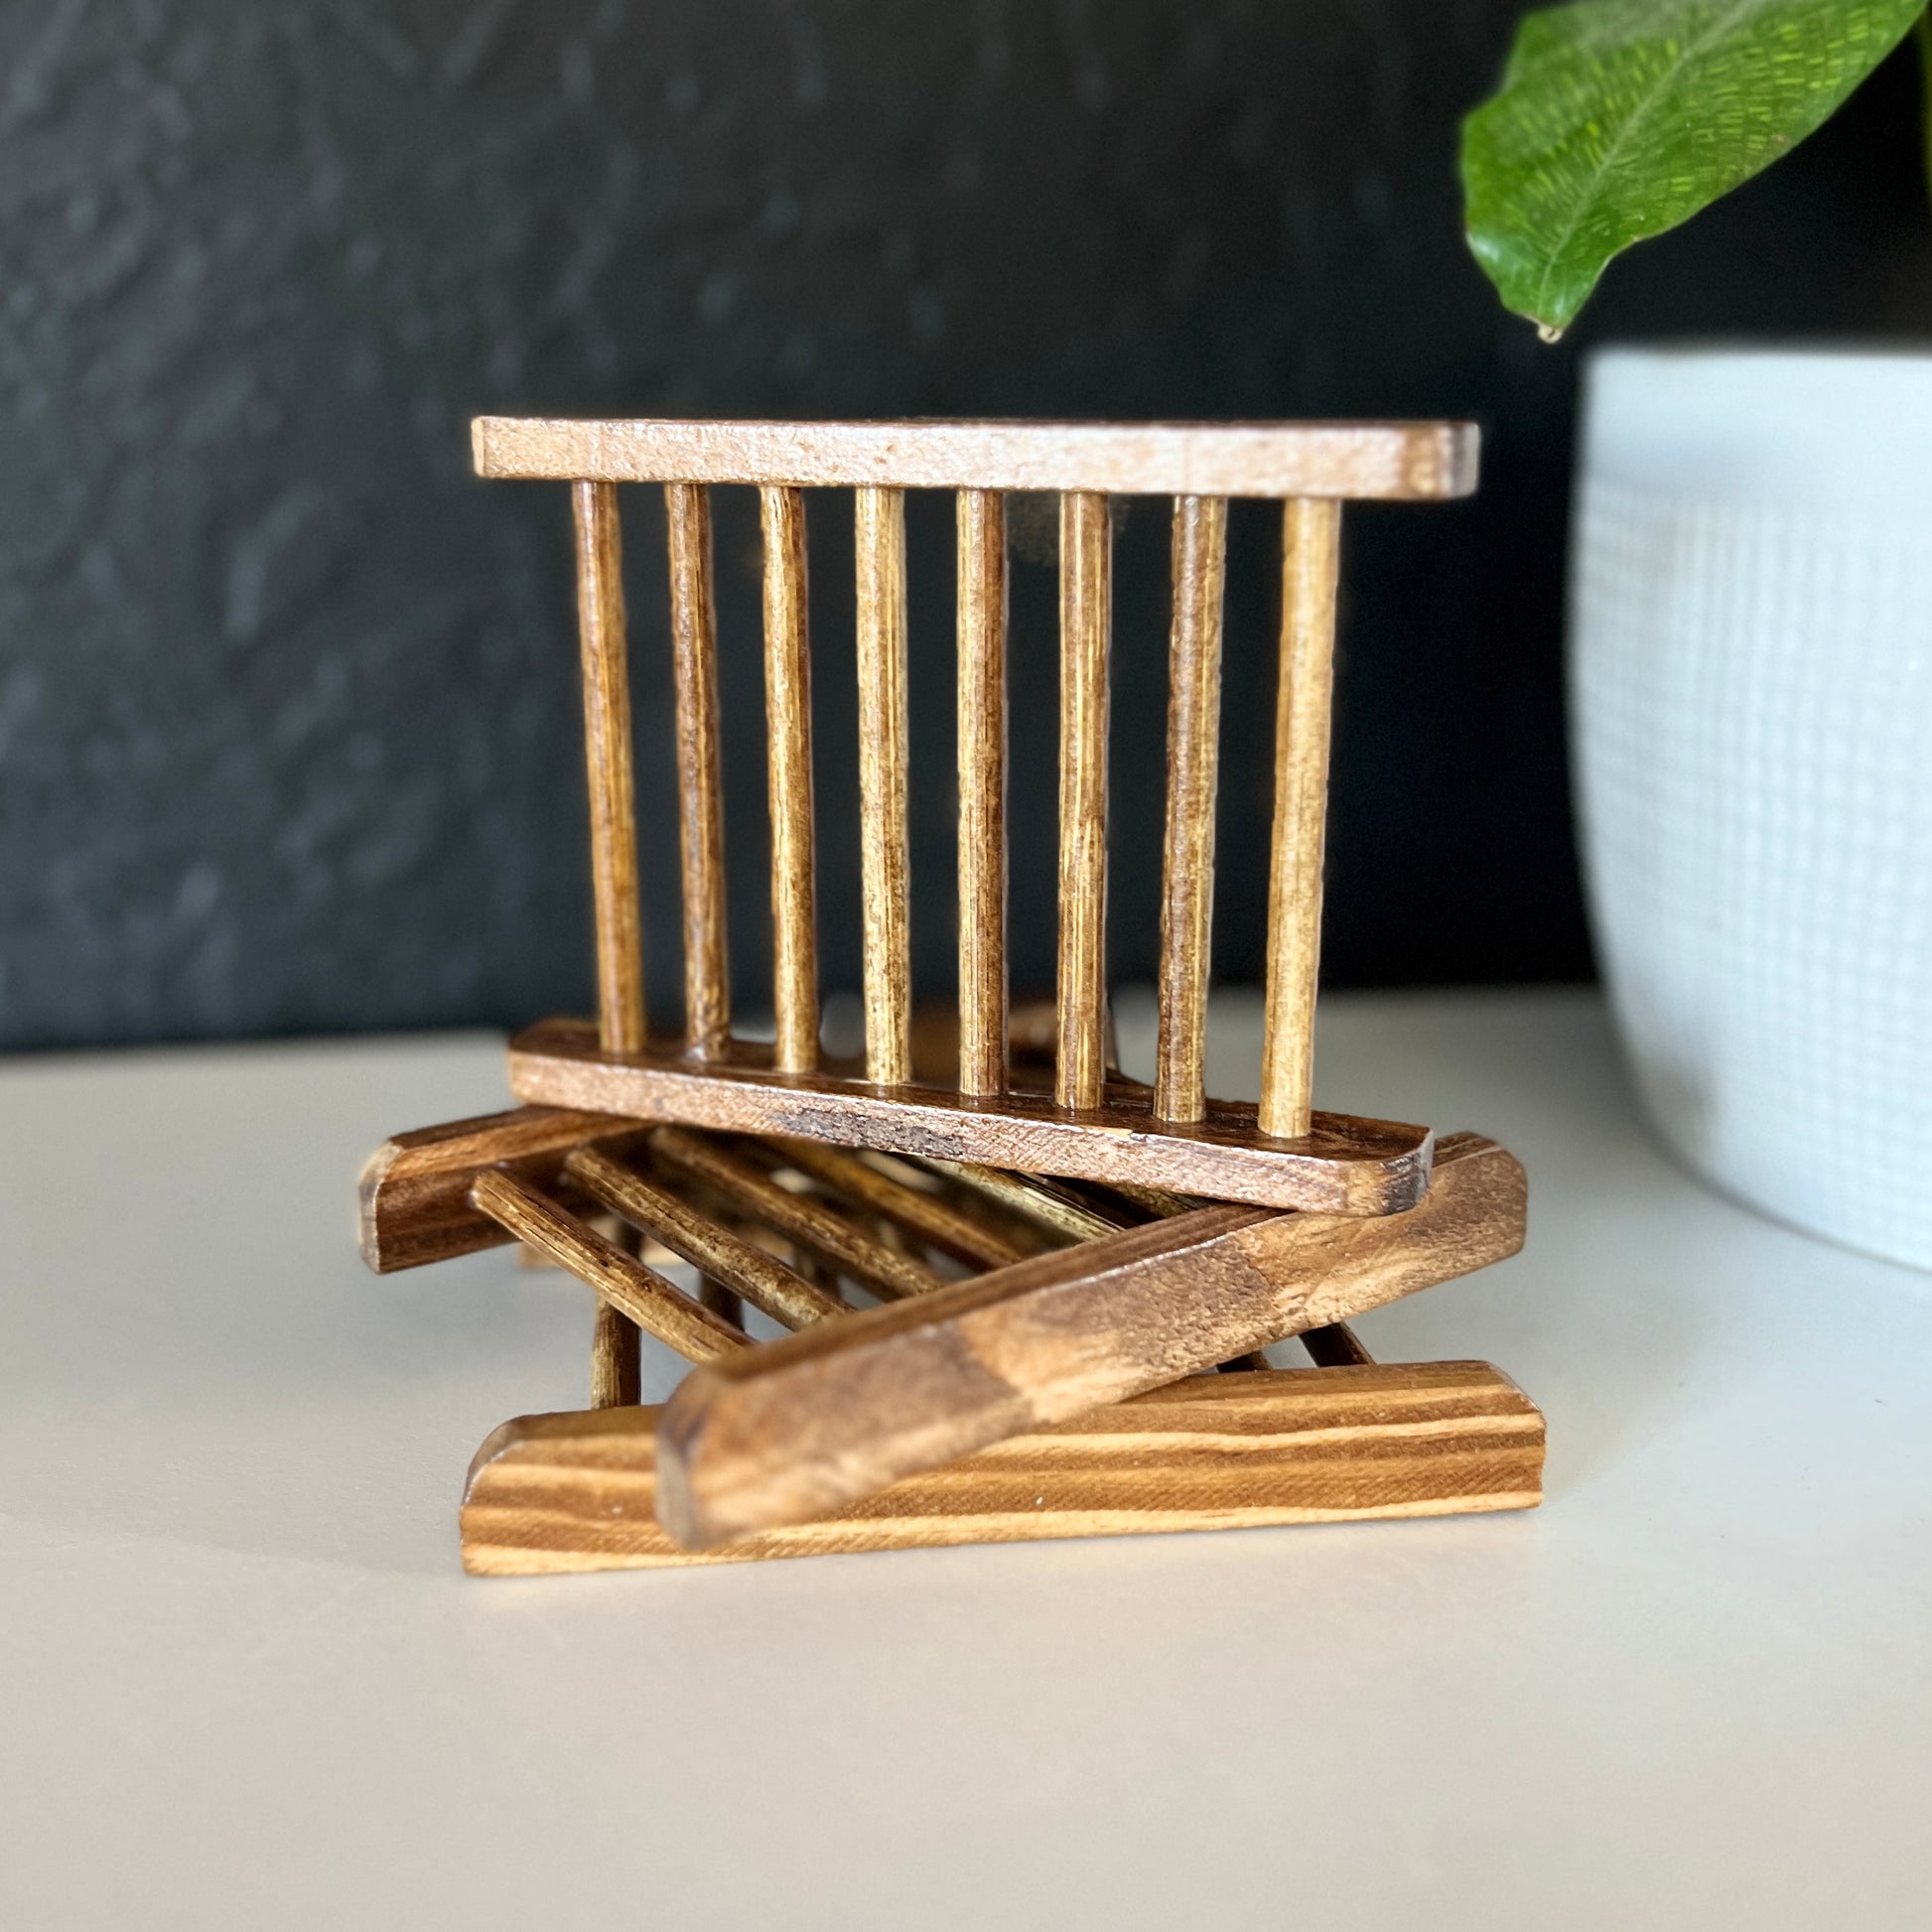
(1751, 705)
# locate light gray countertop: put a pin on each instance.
(243, 1682)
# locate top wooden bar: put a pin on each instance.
(1358, 462)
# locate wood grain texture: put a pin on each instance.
(788, 739)
(982, 659)
(722, 1256)
(622, 1023)
(606, 752)
(656, 1306)
(616, 1359)
(931, 1220)
(414, 1194)
(1033, 1200)
(879, 524)
(1391, 460)
(548, 1495)
(1086, 628)
(1310, 564)
(1342, 1164)
(1156, 1200)
(804, 1426)
(699, 782)
(1199, 553)
(820, 1228)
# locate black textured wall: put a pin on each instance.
(287, 706)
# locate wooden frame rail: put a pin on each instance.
(1093, 1125)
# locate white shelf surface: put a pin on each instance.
(243, 1681)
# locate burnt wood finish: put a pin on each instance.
(1087, 630)
(982, 656)
(1311, 562)
(548, 1495)
(1397, 462)
(925, 1216)
(1188, 883)
(806, 1425)
(414, 1195)
(879, 522)
(658, 1306)
(731, 1264)
(700, 784)
(789, 737)
(1311, 467)
(1340, 1166)
(827, 1233)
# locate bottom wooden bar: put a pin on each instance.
(577, 1492)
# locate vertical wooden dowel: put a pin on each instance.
(1311, 562)
(701, 808)
(614, 852)
(1086, 583)
(615, 1364)
(879, 523)
(721, 1301)
(606, 752)
(982, 650)
(1193, 732)
(789, 729)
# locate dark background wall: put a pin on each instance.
(288, 737)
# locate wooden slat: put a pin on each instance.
(1033, 1200)
(1343, 1164)
(1086, 622)
(735, 1265)
(806, 1425)
(982, 652)
(1156, 1200)
(931, 1220)
(1193, 727)
(1311, 562)
(700, 789)
(606, 749)
(414, 1192)
(1396, 460)
(879, 522)
(656, 1306)
(789, 730)
(548, 1495)
(820, 1228)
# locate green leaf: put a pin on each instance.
(1618, 119)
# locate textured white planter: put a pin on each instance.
(1752, 703)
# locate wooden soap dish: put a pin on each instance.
(1055, 1253)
